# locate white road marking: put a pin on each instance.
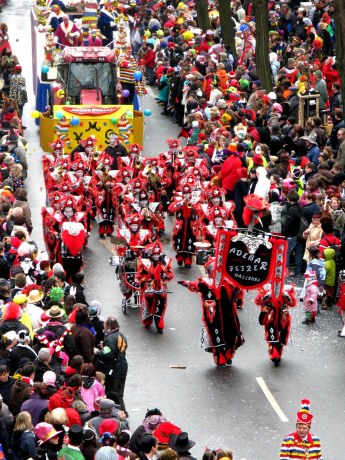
(271, 399)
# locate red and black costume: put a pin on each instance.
(221, 333)
(185, 229)
(276, 320)
(153, 273)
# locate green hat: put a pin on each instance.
(56, 294)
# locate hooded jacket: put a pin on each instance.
(20, 392)
(330, 267)
(12, 325)
(262, 187)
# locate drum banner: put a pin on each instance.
(250, 261)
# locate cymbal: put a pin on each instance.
(200, 244)
(137, 247)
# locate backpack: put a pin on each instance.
(303, 225)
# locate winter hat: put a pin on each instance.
(44, 354)
(277, 107)
(49, 377)
(58, 268)
(63, 358)
(95, 308)
(272, 96)
(258, 160)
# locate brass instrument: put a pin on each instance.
(136, 162)
(96, 155)
(155, 181)
(189, 204)
(180, 154)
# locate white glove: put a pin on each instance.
(112, 24)
(56, 39)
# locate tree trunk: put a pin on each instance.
(263, 66)
(201, 7)
(339, 8)
(227, 26)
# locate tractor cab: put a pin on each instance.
(87, 75)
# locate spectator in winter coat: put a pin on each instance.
(22, 202)
(339, 123)
(6, 383)
(331, 274)
(240, 191)
(276, 212)
(108, 411)
(341, 148)
(21, 389)
(113, 359)
(76, 289)
(37, 405)
(262, 187)
(295, 244)
(23, 438)
(149, 60)
(21, 350)
(328, 238)
(91, 388)
(310, 298)
(41, 363)
(96, 321)
(83, 337)
(335, 102)
(5, 267)
(313, 149)
(56, 327)
(321, 88)
(229, 171)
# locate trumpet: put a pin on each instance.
(96, 155)
(180, 154)
(137, 164)
(189, 204)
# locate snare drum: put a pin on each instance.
(115, 261)
(131, 265)
(202, 255)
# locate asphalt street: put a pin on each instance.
(249, 407)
